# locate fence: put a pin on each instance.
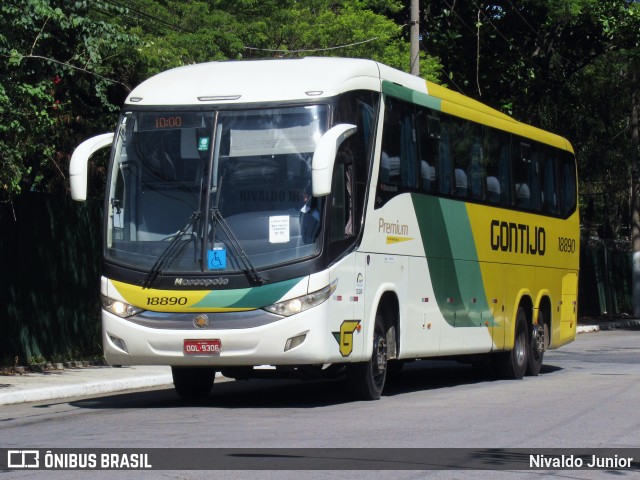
(605, 279)
(49, 291)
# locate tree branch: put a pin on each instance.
(74, 67)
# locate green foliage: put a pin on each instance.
(56, 79)
(217, 30)
(563, 65)
(66, 65)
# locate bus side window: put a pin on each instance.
(549, 183)
(567, 184)
(340, 211)
(398, 165)
(461, 142)
(429, 132)
(445, 160)
(504, 174)
(477, 168)
(535, 172)
(522, 191)
(497, 156)
(358, 108)
(469, 160)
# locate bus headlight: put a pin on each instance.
(300, 304)
(121, 309)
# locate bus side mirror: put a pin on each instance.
(325, 156)
(79, 161)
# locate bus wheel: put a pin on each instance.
(513, 364)
(193, 382)
(537, 344)
(366, 379)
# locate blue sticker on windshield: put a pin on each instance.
(217, 259)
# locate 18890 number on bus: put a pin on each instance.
(166, 301)
(567, 245)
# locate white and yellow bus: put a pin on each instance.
(325, 215)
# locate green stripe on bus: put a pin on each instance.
(453, 261)
(408, 95)
(255, 297)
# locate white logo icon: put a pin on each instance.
(23, 459)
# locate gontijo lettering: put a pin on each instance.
(518, 238)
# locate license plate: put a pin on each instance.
(206, 347)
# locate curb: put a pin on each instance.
(632, 324)
(620, 324)
(77, 390)
(587, 328)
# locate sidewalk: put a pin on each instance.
(75, 382)
(94, 380)
(603, 323)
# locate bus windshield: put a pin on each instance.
(214, 191)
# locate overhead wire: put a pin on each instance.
(470, 30)
(537, 33)
(148, 16)
(274, 50)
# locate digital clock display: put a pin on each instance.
(168, 121)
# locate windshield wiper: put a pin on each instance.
(250, 271)
(217, 218)
(170, 252)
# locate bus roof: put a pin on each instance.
(256, 81)
(272, 80)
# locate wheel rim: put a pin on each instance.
(379, 363)
(536, 347)
(520, 349)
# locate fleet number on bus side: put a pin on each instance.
(567, 245)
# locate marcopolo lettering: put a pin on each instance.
(518, 238)
(200, 282)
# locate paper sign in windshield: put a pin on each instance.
(279, 229)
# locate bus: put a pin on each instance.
(329, 216)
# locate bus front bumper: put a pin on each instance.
(265, 339)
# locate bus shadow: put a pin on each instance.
(429, 375)
(438, 374)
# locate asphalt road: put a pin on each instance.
(587, 396)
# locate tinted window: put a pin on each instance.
(434, 153)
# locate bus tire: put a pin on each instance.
(536, 351)
(193, 382)
(366, 380)
(513, 364)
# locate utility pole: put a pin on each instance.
(414, 51)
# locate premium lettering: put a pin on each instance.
(396, 228)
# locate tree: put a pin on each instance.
(177, 33)
(58, 80)
(565, 66)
